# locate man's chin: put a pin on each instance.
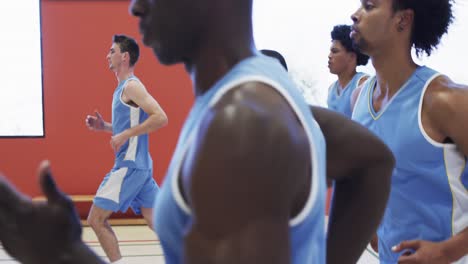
(358, 43)
(165, 58)
(146, 41)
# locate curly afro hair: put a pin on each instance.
(431, 21)
(341, 34)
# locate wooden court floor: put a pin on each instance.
(139, 245)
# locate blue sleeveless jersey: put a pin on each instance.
(172, 215)
(429, 195)
(135, 152)
(342, 102)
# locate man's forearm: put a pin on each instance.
(456, 247)
(358, 205)
(107, 127)
(153, 123)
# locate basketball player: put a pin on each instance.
(135, 113)
(422, 116)
(323, 118)
(247, 179)
(342, 61)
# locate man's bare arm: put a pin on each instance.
(248, 162)
(361, 166)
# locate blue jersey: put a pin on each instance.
(341, 101)
(172, 215)
(429, 195)
(135, 152)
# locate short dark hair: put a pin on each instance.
(341, 33)
(128, 44)
(431, 21)
(275, 54)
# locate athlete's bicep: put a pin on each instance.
(447, 107)
(238, 183)
(137, 93)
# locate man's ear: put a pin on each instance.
(126, 56)
(405, 20)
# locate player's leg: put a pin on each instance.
(97, 219)
(144, 201)
(109, 199)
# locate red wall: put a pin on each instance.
(76, 36)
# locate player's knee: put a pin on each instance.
(91, 221)
(95, 221)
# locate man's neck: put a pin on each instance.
(393, 69)
(214, 61)
(345, 77)
(228, 41)
(124, 74)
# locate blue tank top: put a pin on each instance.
(135, 152)
(429, 195)
(307, 232)
(342, 102)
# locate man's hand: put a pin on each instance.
(95, 122)
(118, 140)
(42, 232)
(423, 252)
